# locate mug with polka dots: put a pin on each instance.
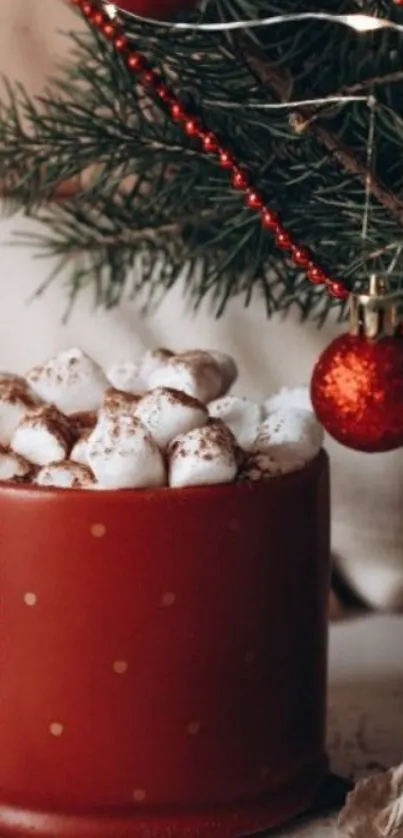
(162, 658)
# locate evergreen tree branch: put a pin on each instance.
(278, 81)
(141, 206)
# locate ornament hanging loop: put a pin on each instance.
(375, 314)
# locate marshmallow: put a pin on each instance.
(168, 413)
(228, 368)
(44, 436)
(116, 402)
(153, 360)
(15, 403)
(127, 377)
(291, 437)
(195, 373)
(72, 381)
(299, 398)
(123, 455)
(242, 416)
(66, 475)
(203, 457)
(79, 453)
(258, 465)
(14, 468)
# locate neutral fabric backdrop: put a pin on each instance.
(367, 490)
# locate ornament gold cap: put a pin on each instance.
(375, 314)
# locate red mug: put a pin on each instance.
(163, 658)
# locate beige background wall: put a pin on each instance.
(368, 491)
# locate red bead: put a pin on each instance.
(135, 61)
(121, 43)
(316, 276)
(254, 200)
(192, 127)
(109, 30)
(226, 159)
(99, 19)
(301, 257)
(88, 9)
(283, 240)
(150, 78)
(210, 142)
(270, 220)
(177, 112)
(240, 179)
(336, 289)
(163, 92)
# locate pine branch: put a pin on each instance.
(141, 206)
(279, 82)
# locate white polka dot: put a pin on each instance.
(193, 729)
(56, 729)
(250, 656)
(168, 600)
(98, 530)
(30, 600)
(120, 667)
(139, 795)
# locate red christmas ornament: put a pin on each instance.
(162, 9)
(357, 384)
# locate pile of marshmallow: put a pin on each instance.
(163, 420)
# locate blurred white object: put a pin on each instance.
(242, 416)
(292, 437)
(126, 376)
(298, 398)
(228, 368)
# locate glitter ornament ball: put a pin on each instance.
(357, 392)
(159, 9)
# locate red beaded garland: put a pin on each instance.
(270, 220)
(226, 159)
(301, 257)
(239, 179)
(254, 200)
(192, 127)
(283, 240)
(209, 141)
(336, 289)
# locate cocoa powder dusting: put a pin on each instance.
(50, 419)
(15, 393)
(179, 397)
(82, 423)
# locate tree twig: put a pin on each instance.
(275, 79)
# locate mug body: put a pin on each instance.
(163, 658)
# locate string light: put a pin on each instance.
(281, 106)
(360, 23)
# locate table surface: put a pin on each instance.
(365, 731)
